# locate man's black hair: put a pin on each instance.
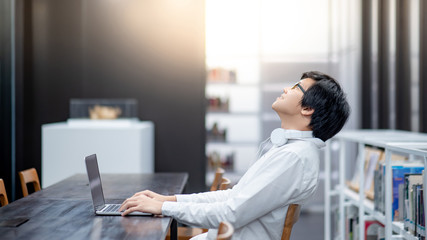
(328, 100)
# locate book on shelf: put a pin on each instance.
(398, 179)
(414, 216)
(418, 189)
(401, 208)
(410, 180)
(398, 176)
(372, 156)
(373, 159)
(351, 219)
(415, 207)
(421, 232)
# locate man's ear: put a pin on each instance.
(307, 111)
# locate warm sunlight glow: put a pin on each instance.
(232, 27)
(267, 28)
(294, 27)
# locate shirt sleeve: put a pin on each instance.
(206, 197)
(275, 184)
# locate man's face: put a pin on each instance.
(289, 103)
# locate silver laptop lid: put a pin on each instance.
(95, 182)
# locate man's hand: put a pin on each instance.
(141, 203)
(145, 201)
(156, 196)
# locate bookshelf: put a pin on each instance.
(411, 144)
(234, 83)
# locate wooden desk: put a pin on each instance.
(65, 211)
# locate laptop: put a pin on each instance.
(96, 189)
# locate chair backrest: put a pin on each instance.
(3, 195)
(225, 231)
(291, 218)
(217, 180)
(225, 183)
(29, 176)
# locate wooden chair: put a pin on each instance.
(225, 184)
(291, 218)
(219, 183)
(3, 195)
(217, 180)
(29, 176)
(225, 231)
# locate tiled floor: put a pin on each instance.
(309, 226)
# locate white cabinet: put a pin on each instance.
(394, 142)
(122, 146)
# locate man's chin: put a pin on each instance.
(273, 106)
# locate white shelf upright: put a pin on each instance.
(393, 141)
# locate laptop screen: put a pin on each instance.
(95, 182)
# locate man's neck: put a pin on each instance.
(295, 123)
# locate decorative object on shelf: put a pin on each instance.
(103, 108)
(217, 104)
(104, 112)
(221, 75)
(215, 134)
(372, 230)
(216, 160)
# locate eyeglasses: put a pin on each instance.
(299, 86)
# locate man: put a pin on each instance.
(311, 111)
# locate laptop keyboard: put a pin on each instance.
(112, 208)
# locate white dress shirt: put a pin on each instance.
(257, 205)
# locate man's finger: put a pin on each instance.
(138, 194)
(129, 210)
(127, 204)
(143, 193)
(123, 204)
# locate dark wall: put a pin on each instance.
(387, 67)
(383, 65)
(366, 65)
(403, 63)
(152, 51)
(5, 95)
